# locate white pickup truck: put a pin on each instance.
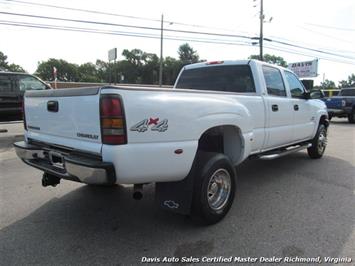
(187, 140)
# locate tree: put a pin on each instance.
(3, 62)
(327, 84)
(271, 59)
(88, 73)
(187, 54)
(65, 71)
(347, 83)
(171, 70)
(102, 68)
(135, 56)
(150, 69)
(4, 65)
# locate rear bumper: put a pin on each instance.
(73, 167)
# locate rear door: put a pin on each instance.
(304, 118)
(279, 109)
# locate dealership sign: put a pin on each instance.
(307, 69)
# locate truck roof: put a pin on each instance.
(14, 73)
(231, 62)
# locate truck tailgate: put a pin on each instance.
(66, 117)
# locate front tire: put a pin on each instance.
(214, 188)
(319, 143)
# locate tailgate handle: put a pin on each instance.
(52, 106)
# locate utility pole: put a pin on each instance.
(261, 30)
(161, 52)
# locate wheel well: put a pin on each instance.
(324, 120)
(225, 139)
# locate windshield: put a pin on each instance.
(230, 78)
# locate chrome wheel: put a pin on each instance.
(219, 189)
(322, 141)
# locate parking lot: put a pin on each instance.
(292, 206)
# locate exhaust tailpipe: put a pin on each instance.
(138, 191)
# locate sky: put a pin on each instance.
(325, 26)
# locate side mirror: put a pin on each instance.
(307, 95)
(316, 94)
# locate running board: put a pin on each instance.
(271, 156)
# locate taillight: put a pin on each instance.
(23, 113)
(113, 128)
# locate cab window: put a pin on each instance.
(30, 83)
(231, 78)
(296, 87)
(274, 83)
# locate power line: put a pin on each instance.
(80, 10)
(306, 44)
(171, 30)
(311, 49)
(152, 36)
(293, 51)
(121, 33)
(114, 14)
(330, 27)
(325, 35)
(123, 25)
(170, 22)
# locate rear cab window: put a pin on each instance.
(274, 83)
(296, 87)
(227, 78)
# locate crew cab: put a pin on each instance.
(187, 140)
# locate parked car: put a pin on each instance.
(187, 140)
(12, 88)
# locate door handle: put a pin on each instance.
(275, 107)
(52, 106)
(296, 107)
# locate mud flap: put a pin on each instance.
(176, 196)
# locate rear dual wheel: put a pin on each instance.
(214, 188)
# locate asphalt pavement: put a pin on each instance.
(292, 206)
